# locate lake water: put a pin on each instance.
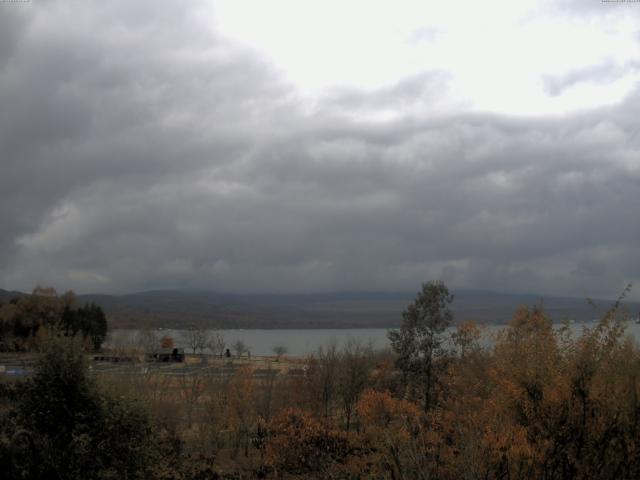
(300, 342)
(261, 342)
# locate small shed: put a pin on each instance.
(169, 355)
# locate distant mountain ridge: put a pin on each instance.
(177, 308)
(6, 295)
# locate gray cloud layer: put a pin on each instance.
(139, 150)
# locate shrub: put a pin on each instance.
(300, 444)
(78, 432)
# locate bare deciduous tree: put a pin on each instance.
(197, 338)
(279, 350)
(353, 376)
(148, 340)
(240, 347)
(217, 343)
(322, 378)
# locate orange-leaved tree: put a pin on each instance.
(300, 444)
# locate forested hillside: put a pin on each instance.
(168, 308)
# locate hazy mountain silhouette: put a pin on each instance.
(177, 308)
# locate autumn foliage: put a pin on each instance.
(533, 400)
(299, 443)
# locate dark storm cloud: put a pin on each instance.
(141, 150)
(112, 99)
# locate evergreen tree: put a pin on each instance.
(418, 342)
(77, 432)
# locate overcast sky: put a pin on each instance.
(292, 145)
